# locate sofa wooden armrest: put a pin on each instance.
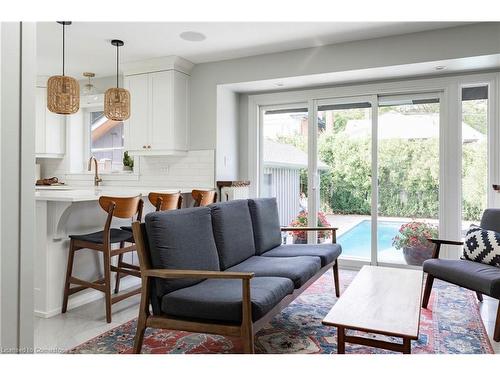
(289, 229)
(445, 242)
(310, 229)
(438, 242)
(196, 274)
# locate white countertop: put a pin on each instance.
(82, 194)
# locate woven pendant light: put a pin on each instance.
(63, 92)
(116, 99)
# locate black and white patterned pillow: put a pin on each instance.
(482, 246)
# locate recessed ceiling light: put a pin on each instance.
(192, 36)
(440, 67)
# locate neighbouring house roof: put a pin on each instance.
(396, 125)
(285, 156)
(101, 127)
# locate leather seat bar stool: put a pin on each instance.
(204, 197)
(120, 207)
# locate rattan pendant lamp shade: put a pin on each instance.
(116, 99)
(63, 92)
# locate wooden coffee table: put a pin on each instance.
(379, 300)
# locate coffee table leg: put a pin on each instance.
(340, 340)
(406, 346)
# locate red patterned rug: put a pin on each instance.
(452, 324)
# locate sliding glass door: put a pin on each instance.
(408, 177)
(284, 155)
(344, 164)
(474, 128)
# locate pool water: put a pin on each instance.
(356, 242)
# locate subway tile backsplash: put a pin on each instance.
(195, 169)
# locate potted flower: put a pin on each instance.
(300, 236)
(413, 238)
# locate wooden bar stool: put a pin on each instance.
(162, 202)
(119, 207)
(204, 197)
(165, 201)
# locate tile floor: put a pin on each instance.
(65, 331)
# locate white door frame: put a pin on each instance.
(17, 197)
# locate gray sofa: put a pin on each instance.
(222, 268)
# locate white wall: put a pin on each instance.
(227, 157)
(465, 41)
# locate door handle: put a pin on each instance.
(315, 181)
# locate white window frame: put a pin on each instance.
(98, 106)
(450, 134)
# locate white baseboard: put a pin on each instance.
(87, 296)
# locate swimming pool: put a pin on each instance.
(356, 242)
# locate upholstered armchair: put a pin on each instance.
(479, 277)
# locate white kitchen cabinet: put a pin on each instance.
(158, 123)
(50, 129)
(137, 128)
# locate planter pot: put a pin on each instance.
(127, 168)
(298, 241)
(415, 256)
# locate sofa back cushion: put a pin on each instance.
(181, 239)
(233, 232)
(266, 224)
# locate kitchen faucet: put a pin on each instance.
(97, 179)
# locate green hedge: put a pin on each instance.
(408, 177)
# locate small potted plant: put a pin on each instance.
(300, 236)
(128, 162)
(413, 238)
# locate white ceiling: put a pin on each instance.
(88, 45)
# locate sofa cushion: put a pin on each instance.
(233, 234)
(220, 300)
(297, 269)
(181, 239)
(471, 275)
(266, 224)
(326, 252)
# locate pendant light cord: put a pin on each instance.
(63, 27)
(117, 52)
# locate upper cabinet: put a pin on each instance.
(50, 129)
(159, 108)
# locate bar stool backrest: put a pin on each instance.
(121, 207)
(204, 197)
(165, 201)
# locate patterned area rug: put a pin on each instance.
(452, 325)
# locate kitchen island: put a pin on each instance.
(61, 211)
